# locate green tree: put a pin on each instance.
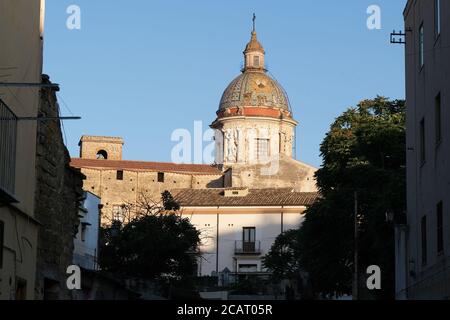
(363, 152)
(157, 245)
(283, 257)
(169, 202)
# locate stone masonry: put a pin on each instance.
(58, 190)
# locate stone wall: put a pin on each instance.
(136, 184)
(58, 189)
(283, 172)
(91, 145)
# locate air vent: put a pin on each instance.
(236, 193)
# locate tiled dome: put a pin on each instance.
(254, 88)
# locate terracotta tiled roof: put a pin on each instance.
(255, 197)
(145, 166)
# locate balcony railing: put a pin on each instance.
(244, 247)
(8, 136)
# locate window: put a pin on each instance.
(248, 268)
(102, 155)
(262, 149)
(119, 175)
(421, 46)
(423, 225)
(256, 61)
(249, 234)
(249, 239)
(8, 134)
(440, 227)
(437, 18)
(422, 142)
(118, 213)
(438, 118)
(161, 177)
(83, 232)
(2, 240)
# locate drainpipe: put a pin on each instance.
(217, 242)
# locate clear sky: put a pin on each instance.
(140, 69)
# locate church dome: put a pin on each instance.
(254, 92)
(254, 89)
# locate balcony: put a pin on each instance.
(247, 248)
(8, 136)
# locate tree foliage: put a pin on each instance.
(283, 257)
(363, 152)
(156, 245)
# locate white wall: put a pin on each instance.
(86, 252)
(268, 227)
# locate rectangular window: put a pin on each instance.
(249, 239)
(423, 228)
(119, 175)
(421, 47)
(440, 227)
(422, 142)
(161, 177)
(437, 18)
(262, 149)
(83, 232)
(249, 234)
(256, 61)
(438, 118)
(118, 213)
(2, 241)
(8, 140)
(248, 268)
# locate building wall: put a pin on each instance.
(21, 29)
(85, 252)
(138, 184)
(269, 223)
(58, 190)
(283, 172)
(236, 139)
(236, 148)
(429, 181)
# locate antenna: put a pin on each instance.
(398, 37)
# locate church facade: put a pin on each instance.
(253, 192)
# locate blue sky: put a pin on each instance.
(140, 69)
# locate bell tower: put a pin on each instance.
(101, 148)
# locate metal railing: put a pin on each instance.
(244, 247)
(8, 137)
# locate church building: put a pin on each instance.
(254, 191)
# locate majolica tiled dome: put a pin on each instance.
(254, 88)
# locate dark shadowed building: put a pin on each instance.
(423, 244)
